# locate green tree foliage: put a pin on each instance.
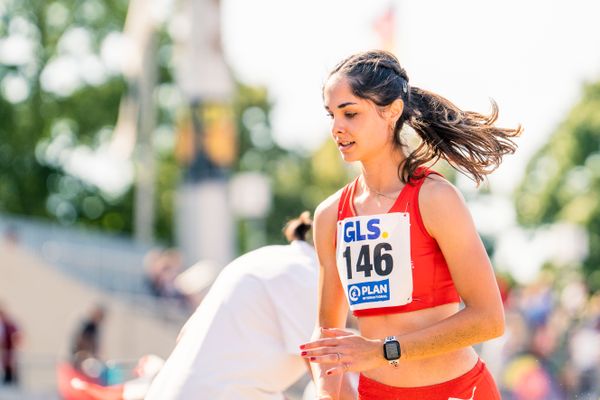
(31, 181)
(299, 181)
(562, 181)
(44, 121)
(41, 122)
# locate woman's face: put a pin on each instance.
(359, 128)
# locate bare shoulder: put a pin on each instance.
(325, 223)
(438, 193)
(326, 211)
(442, 206)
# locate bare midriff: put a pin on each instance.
(420, 372)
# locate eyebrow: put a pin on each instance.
(348, 103)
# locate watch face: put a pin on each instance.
(392, 350)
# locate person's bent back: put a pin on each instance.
(242, 341)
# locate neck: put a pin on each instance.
(381, 175)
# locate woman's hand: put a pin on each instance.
(346, 350)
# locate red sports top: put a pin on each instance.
(376, 261)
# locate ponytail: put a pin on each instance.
(467, 140)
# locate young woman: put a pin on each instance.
(398, 245)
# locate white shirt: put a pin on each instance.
(242, 341)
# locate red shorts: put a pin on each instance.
(477, 384)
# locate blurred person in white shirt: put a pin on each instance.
(242, 341)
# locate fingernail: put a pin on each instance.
(302, 346)
(313, 358)
(329, 372)
(303, 353)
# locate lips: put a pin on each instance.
(344, 145)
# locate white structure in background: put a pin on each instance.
(250, 198)
(200, 67)
(204, 221)
(524, 252)
(250, 195)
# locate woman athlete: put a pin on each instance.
(398, 245)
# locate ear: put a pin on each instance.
(396, 109)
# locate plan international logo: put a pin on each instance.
(369, 291)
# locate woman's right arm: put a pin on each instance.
(332, 305)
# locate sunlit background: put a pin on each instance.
(144, 144)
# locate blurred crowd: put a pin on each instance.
(162, 268)
(551, 348)
(167, 277)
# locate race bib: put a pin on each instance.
(373, 260)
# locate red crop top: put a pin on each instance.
(388, 263)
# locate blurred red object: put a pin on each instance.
(66, 373)
(75, 385)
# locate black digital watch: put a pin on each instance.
(391, 350)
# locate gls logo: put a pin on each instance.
(353, 230)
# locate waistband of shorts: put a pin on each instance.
(372, 385)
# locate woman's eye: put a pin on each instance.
(329, 115)
(350, 115)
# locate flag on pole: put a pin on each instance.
(385, 28)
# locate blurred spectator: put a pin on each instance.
(552, 342)
(195, 281)
(10, 337)
(86, 343)
(584, 352)
(162, 268)
(242, 341)
(537, 301)
(11, 236)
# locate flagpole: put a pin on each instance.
(203, 217)
(132, 136)
(144, 216)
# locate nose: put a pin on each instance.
(336, 126)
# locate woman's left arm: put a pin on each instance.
(447, 219)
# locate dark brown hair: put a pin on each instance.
(298, 228)
(467, 140)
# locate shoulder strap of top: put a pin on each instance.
(412, 198)
(422, 173)
(410, 193)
